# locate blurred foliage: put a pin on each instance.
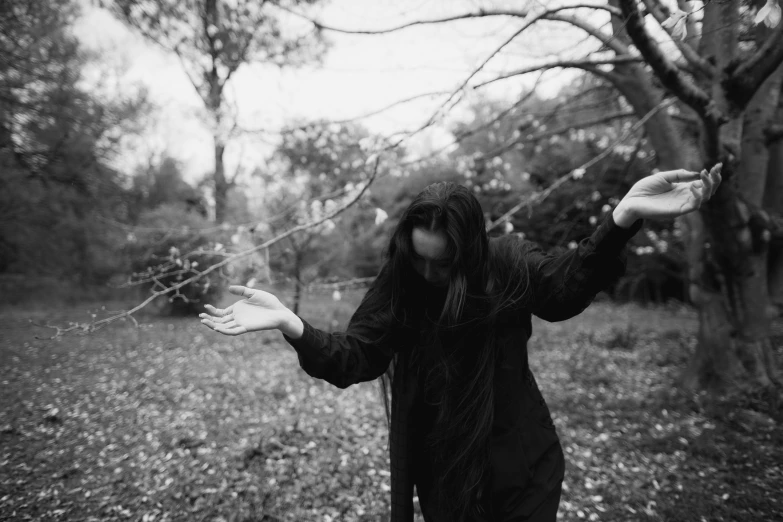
(212, 39)
(318, 167)
(170, 244)
(534, 142)
(161, 182)
(64, 212)
(171, 238)
(55, 143)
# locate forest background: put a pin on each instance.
(99, 216)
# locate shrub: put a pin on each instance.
(170, 245)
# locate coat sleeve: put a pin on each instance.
(563, 285)
(361, 353)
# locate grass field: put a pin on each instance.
(170, 421)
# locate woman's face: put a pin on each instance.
(430, 257)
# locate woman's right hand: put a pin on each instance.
(258, 310)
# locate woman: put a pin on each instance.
(446, 325)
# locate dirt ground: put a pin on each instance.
(170, 421)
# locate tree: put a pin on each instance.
(56, 140)
(213, 39)
(555, 137)
(171, 242)
(713, 96)
(316, 165)
(731, 86)
(161, 182)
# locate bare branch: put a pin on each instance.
(483, 13)
(502, 114)
(528, 23)
(540, 196)
(96, 325)
(661, 13)
(664, 68)
(579, 64)
(530, 18)
(196, 85)
(527, 139)
(608, 40)
(554, 132)
(549, 14)
(747, 77)
(773, 133)
(337, 285)
(375, 112)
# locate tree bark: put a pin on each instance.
(754, 334)
(726, 253)
(221, 184)
(297, 280)
(738, 253)
(773, 202)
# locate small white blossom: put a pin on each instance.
(572, 245)
(327, 227)
(336, 295)
(380, 216)
(578, 173)
(372, 158)
(508, 227)
(676, 24)
(593, 220)
(769, 14)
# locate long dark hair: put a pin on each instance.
(461, 433)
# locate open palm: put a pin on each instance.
(258, 311)
(672, 193)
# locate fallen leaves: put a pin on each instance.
(167, 422)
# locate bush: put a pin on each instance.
(170, 245)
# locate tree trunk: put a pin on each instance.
(221, 184)
(298, 280)
(713, 364)
(727, 281)
(754, 320)
(773, 202)
(742, 355)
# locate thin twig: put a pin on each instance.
(540, 196)
(91, 327)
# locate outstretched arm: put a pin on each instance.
(341, 358)
(667, 195)
(564, 285)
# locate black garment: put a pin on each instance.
(527, 463)
(428, 400)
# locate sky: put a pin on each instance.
(359, 74)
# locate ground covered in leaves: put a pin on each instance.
(168, 421)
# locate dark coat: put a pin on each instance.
(527, 463)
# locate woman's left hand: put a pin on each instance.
(667, 195)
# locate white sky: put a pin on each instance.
(360, 74)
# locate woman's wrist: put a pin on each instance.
(292, 326)
(623, 216)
